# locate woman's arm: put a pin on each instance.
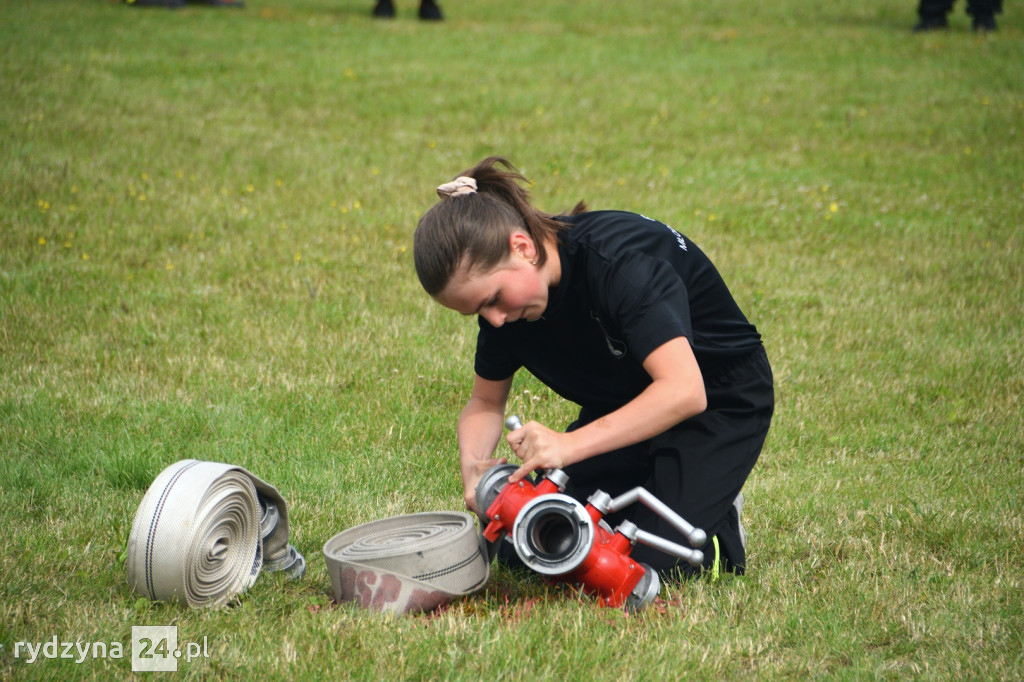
(676, 393)
(480, 426)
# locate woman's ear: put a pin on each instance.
(520, 244)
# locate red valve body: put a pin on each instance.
(505, 508)
(606, 571)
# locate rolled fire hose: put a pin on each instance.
(401, 564)
(203, 533)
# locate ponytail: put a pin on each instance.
(470, 226)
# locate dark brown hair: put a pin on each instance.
(473, 229)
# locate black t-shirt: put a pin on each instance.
(628, 284)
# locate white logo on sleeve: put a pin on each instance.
(679, 238)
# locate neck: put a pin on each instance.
(553, 264)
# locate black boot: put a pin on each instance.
(984, 23)
(429, 11)
(384, 10)
(169, 4)
(932, 23)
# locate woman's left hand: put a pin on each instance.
(539, 448)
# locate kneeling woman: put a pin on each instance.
(623, 316)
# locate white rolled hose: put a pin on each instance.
(204, 531)
(409, 563)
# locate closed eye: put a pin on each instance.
(489, 304)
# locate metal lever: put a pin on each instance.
(629, 529)
(604, 503)
(696, 536)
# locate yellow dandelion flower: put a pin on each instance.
(42, 241)
(250, 189)
(85, 256)
(356, 205)
(432, 144)
(833, 207)
(169, 266)
(278, 182)
(298, 257)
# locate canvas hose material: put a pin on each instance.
(402, 564)
(204, 531)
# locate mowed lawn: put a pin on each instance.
(205, 252)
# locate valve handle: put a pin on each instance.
(696, 536)
(634, 534)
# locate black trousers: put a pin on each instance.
(940, 8)
(696, 468)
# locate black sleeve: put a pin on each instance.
(646, 301)
(493, 361)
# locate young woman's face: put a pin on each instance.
(514, 290)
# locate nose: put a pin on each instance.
(495, 318)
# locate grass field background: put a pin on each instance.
(205, 252)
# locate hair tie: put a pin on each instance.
(460, 185)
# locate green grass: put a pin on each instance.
(205, 232)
